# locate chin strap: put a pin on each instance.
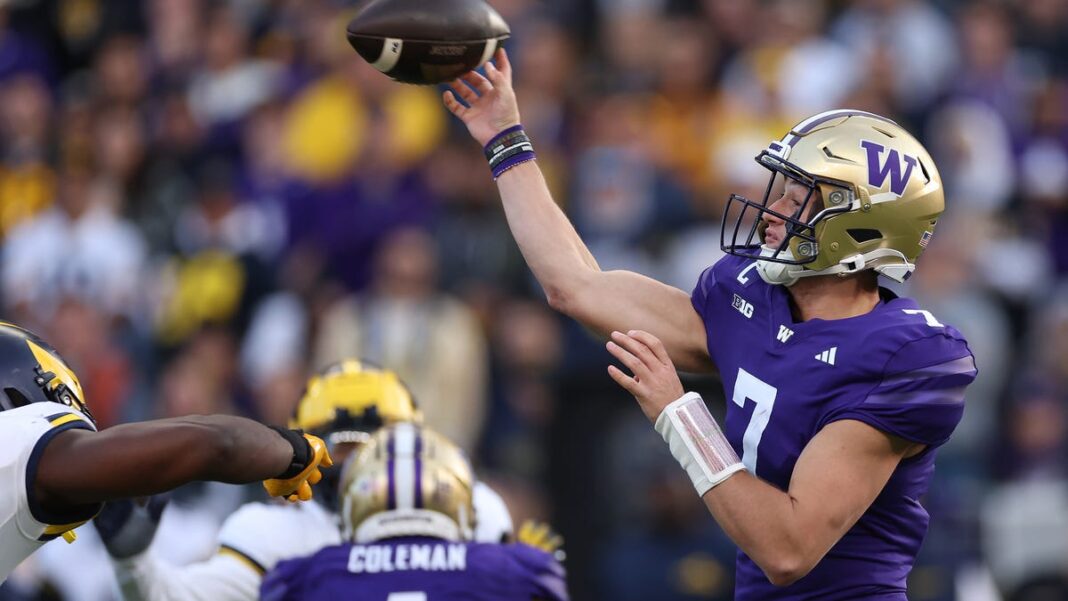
(783, 274)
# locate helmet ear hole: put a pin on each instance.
(861, 235)
(15, 398)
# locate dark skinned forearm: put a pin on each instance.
(81, 467)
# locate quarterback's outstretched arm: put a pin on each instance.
(81, 467)
(837, 477)
(574, 283)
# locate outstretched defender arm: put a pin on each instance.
(81, 467)
(573, 281)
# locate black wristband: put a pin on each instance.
(302, 452)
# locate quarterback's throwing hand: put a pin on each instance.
(298, 488)
(655, 384)
(491, 104)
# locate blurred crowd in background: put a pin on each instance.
(202, 202)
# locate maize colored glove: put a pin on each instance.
(298, 487)
(540, 536)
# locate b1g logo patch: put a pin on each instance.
(897, 167)
(743, 306)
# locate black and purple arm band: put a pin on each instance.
(508, 149)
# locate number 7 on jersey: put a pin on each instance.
(748, 386)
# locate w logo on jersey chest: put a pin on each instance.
(897, 167)
(784, 334)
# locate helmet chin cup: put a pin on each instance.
(775, 273)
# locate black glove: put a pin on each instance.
(127, 527)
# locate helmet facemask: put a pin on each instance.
(745, 224)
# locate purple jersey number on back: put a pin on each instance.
(896, 368)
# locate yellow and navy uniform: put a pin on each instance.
(24, 525)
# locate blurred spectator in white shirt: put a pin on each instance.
(81, 248)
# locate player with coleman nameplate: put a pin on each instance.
(839, 392)
(56, 470)
(344, 403)
(408, 521)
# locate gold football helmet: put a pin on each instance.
(31, 371)
(875, 198)
(407, 481)
(346, 401)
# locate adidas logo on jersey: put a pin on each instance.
(827, 356)
(784, 334)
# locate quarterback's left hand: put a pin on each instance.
(655, 383)
(298, 488)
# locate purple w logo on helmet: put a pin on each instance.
(878, 171)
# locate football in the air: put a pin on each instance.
(426, 41)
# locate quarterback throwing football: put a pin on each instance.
(839, 391)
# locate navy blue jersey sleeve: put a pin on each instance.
(920, 396)
(547, 578)
(284, 582)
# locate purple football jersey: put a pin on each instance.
(419, 569)
(896, 368)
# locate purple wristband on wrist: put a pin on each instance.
(507, 149)
(497, 139)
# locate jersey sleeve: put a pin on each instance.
(247, 535)
(711, 287)
(37, 426)
(705, 284)
(920, 396)
(545, 575)
(284, 582)
(146, 577)
(263, 534)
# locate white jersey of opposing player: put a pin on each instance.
(24, 433)
(255, 539)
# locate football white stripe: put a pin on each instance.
(491, 47)
(391, 51)
(404, 467)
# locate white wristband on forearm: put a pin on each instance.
(697, 442)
